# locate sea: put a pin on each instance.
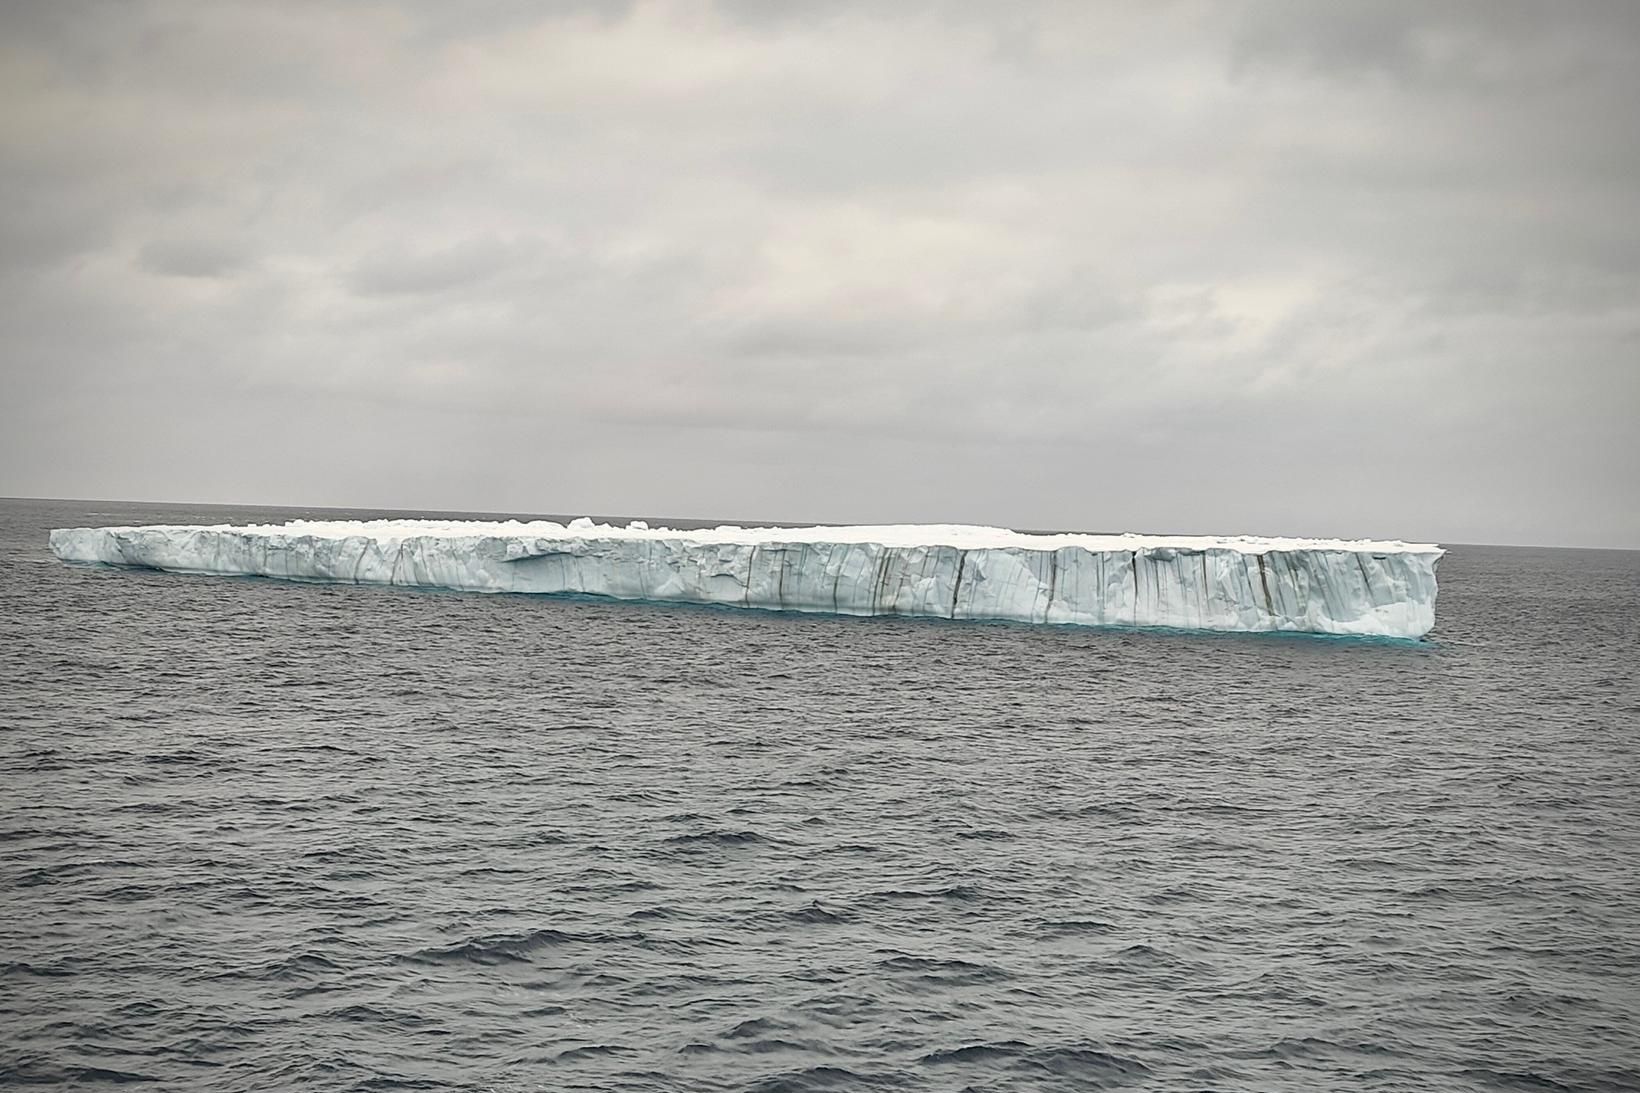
(258, 835)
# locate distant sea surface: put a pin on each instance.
(261, 835)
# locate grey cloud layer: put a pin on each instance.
(1349, 268)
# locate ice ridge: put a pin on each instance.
(1232, 583)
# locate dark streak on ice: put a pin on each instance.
(1264, 582)
(880, 580)
(1133, 560)
(1053, 582)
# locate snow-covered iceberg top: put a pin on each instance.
(951, 571)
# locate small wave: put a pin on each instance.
(38, 971)
(960, 892)
(105, 1074)
(716, 838)
(1087, 1064)
(1091, 1067)
(594, 1051)
(526, 839)
(653, 912)
(1290, 1048)
(361, 1013)
(973, 1053)
(758, 1027)
(815, 915)
(770, 1045)
(815, 1079)
(389, 1081)
(551, 1009)
(1148, 956)
(510, 948)
(943, 972)
(852, 848)
(1542, 1083)
(73, 870)
(1078, 926)
(297, 966)
(183, 756)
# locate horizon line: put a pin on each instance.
(764, 522)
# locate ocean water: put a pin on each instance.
(259, 835)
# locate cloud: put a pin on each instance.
(1262, 265)
(203, 258)
(398, 271)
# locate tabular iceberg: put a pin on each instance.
(1326, 586)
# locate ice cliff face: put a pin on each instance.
(955, 572)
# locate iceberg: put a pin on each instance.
(1232, 583)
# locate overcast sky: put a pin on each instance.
(1316, 268)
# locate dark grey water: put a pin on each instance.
(258, 835)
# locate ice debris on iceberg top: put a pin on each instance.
(951, 571)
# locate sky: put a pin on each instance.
(1360, 268)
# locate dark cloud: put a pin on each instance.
(398, 271)
(1357, 268)
(207, 258)
(1482, 42)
